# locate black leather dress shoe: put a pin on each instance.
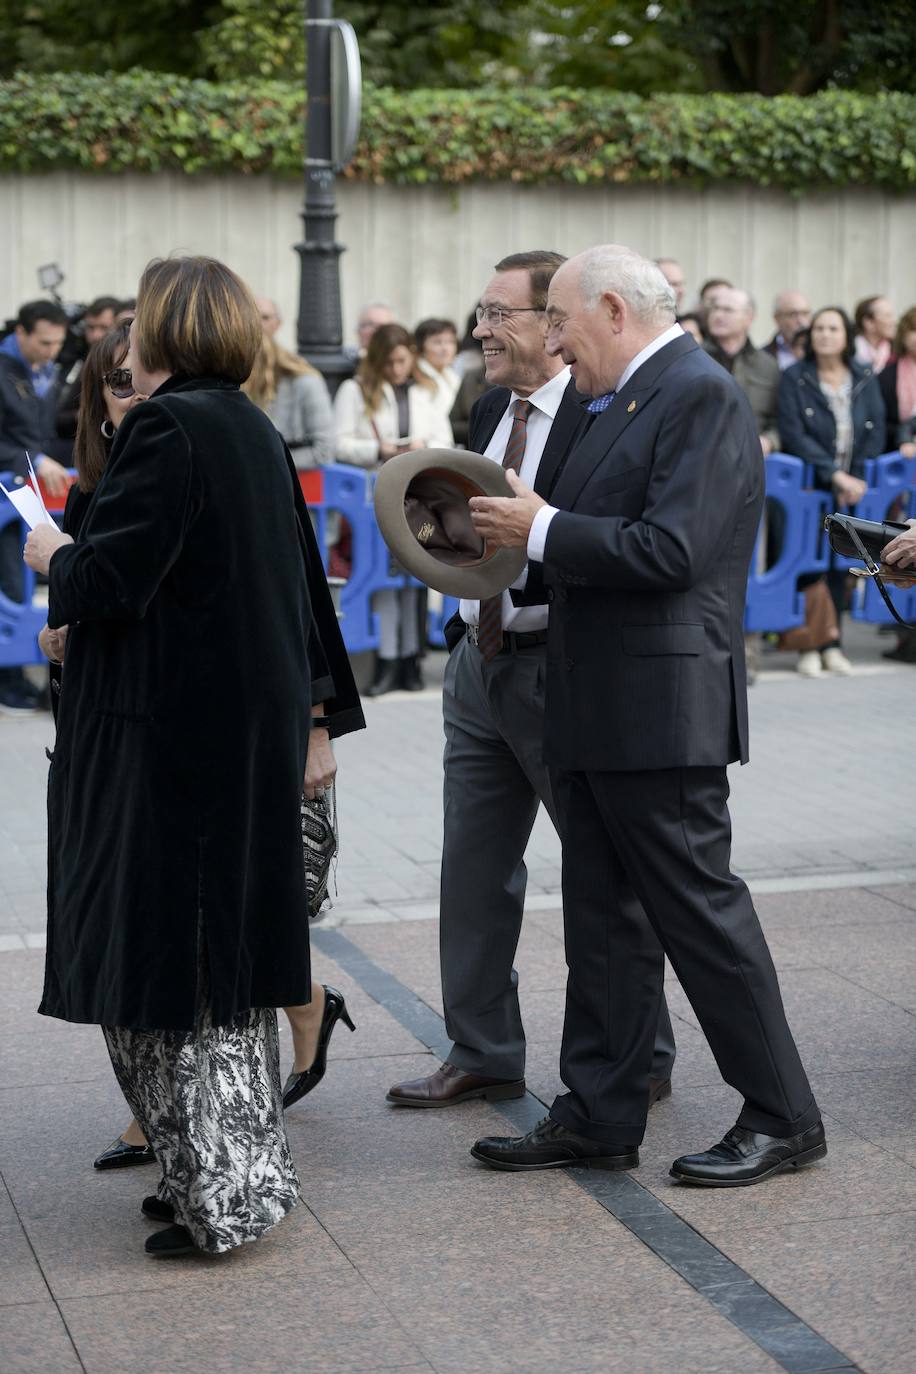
(174, 1240)
(298, 1084)
(744, 1157)
(551, 1146)
(157, 1209)
(120, 1155)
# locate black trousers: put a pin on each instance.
(646, 868)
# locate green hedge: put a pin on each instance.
(147, 122)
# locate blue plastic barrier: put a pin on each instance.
(773, 603)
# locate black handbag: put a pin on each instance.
(318, 822)
(864, 539)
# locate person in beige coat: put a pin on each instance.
(390, 407)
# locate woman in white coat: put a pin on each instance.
(389, 407)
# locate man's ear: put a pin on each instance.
(615, 308)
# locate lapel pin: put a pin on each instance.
(631, 407)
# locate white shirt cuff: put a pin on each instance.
(537, 535)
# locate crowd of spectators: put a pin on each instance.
(829, 389)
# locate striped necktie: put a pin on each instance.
(490, 625)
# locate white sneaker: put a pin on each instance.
(809, 664)
(835, 661)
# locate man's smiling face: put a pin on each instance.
(513, 350)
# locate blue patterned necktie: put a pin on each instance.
(600, 403)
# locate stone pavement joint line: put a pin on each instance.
(761, 1317)
(44, 1278)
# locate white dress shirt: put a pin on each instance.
(545, 402)
(537, 535)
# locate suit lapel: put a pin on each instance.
(571, 417)
(608, 427)
(491, 412)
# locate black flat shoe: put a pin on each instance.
(157, 1209)
(744, 1157)
(298, 1084)
(120, 1155)
(174, 1240)
(552, 1146)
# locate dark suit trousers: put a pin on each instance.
(646, 866)
(495, 779)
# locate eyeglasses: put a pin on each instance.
(120, 382)
(498, 314)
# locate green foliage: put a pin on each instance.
(624, 45)
(106, 35)
(145, 122)
(769, 46)
(795, 46)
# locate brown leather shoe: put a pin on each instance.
(658, 1088)
(449, 1085)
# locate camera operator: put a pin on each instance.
(95, 322)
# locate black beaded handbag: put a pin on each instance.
(864, 539)
(318, 822)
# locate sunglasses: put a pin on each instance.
(120, 382)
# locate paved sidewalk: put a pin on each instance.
(407, 1255)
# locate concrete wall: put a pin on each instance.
(430, 250)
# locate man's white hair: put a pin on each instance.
(641, 283)
(372, 305)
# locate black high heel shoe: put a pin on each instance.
(298, 1084)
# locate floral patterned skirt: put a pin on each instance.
(209, 1101)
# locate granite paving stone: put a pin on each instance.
(851, 1278)
(33, 1338)
(260, 1326)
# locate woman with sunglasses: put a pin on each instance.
(177, 911)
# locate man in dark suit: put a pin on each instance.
(493, 701)
(645, 547)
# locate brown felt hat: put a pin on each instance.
(421, 505)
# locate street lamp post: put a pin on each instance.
(319, 332)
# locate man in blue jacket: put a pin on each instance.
(28, 393)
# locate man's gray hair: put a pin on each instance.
(372, 305)
(641, 283)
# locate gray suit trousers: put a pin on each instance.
(494, 781)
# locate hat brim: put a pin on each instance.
(474, 579)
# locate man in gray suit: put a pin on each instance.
(493, 703)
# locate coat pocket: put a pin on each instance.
(651, 640)
(626, 477)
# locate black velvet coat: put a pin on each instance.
(201, 628)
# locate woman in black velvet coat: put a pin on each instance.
(177, 907)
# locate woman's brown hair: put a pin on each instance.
(905, 325)
(196, 317)
(272, 364)
(91, 447)
(371, 372)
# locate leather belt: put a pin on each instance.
(512, 643)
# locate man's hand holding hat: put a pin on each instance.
(505, 521)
